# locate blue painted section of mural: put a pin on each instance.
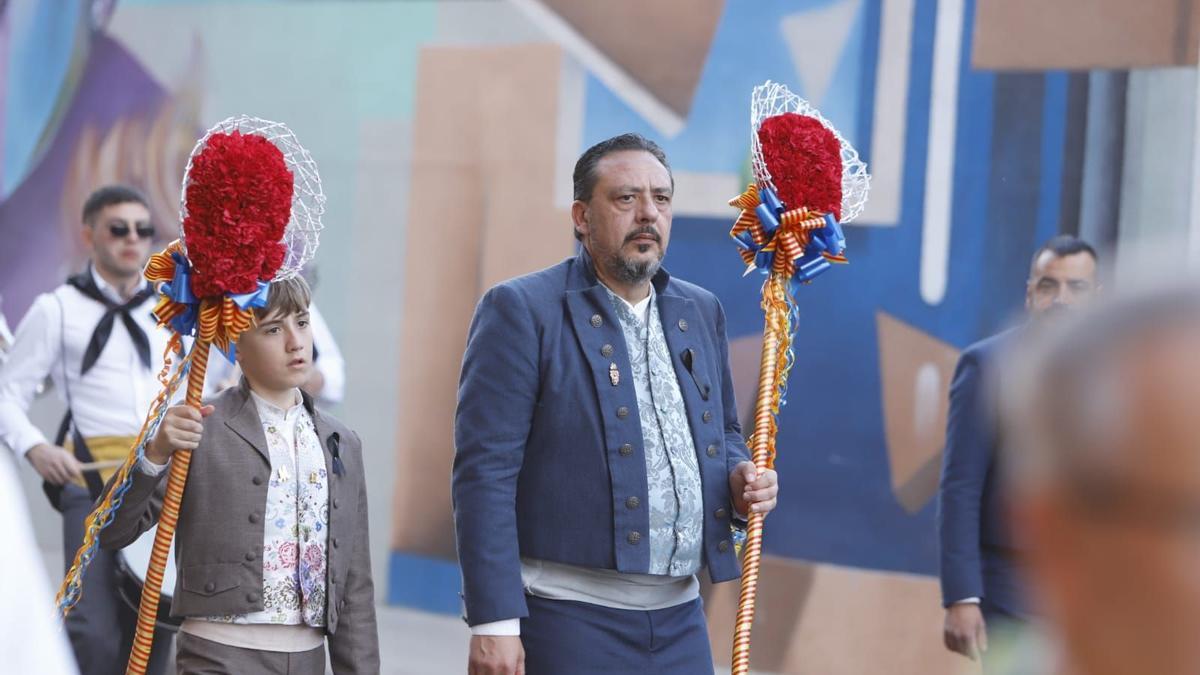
(429, 584)
(43, 40)
(747, 49)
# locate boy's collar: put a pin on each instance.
(305, 399)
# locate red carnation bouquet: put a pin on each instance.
(804, 158)
(239, 200)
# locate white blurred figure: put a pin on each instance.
(31, 639)
(6, 336)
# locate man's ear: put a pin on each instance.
(579, 217)
(89, 235)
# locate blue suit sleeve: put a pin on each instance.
(497, 395)
(965, 463)
(735, 443)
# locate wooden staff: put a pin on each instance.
(775, 340)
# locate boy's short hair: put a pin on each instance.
(287, 296)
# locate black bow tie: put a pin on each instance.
(85, 284)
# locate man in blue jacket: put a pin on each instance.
(599, 463)
(981, 576)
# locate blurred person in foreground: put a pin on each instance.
(30, 637)
(980, 567)
(1105, 466)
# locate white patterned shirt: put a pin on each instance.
(674, 494)
(296, 522)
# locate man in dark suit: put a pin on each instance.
(980, 571)
(599, 462)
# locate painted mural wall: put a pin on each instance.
(446, 133)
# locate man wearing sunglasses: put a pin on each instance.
(94, 336)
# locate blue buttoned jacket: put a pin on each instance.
(979, 556)
(548, 451)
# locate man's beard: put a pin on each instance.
(628, 271)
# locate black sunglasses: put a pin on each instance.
(121, 230)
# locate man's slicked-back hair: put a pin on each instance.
(1062, 246)
(585, 168)
(287, 296)
(111, 195)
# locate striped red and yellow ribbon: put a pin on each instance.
(773, 371)
(789, 240)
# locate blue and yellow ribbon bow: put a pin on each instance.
(798, 244)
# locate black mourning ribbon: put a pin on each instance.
(688, 356)
(85, 284)
(334, 445)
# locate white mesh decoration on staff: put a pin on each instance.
(770, 99)
(308, 199)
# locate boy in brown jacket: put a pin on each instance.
(272, 540)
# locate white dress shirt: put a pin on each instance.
(115, 395)
(6, 337)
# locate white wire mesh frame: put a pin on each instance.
(303, 232)
(770, 99)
